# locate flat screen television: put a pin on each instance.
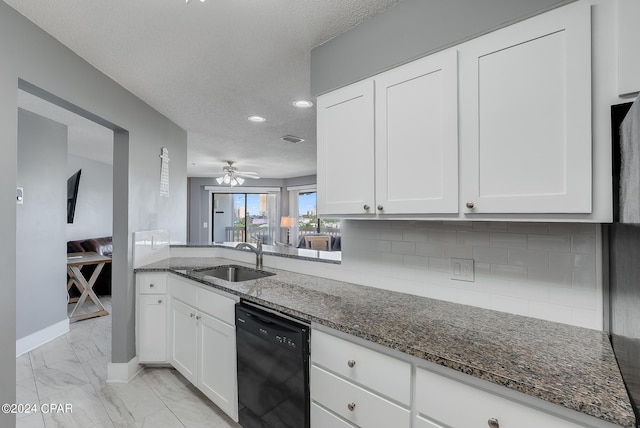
(72, 195)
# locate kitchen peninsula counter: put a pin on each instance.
(569, 366)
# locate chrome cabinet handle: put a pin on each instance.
(470, 205)
(380, 207)
(192, 315)
(351, 406)
(366, 207)
(493, 423)
(351, 363)
(198, 317)
(159, 300)
(151, 285)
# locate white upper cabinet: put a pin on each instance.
(417, 137)
(628, 57)
(346, 150)
(526, 116)
(405, 163)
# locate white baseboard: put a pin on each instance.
(123, 372)
(41, 337)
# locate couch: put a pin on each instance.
(102, 246)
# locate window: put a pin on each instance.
(303, 204)
(244, 217)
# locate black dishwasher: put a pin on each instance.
(273, 370)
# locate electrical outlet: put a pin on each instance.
(462, 270)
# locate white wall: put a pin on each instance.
(550, 271)
(94, 207)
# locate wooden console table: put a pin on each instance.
(75, 261)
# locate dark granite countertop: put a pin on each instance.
(290, 252)
(570, 366)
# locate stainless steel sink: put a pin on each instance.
(234, 273)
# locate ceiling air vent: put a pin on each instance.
(292, 139)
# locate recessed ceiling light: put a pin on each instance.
(256, 119)
(303, 103)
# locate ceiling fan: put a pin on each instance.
(233, 177)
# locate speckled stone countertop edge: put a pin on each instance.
(318, 259)
(625, 419)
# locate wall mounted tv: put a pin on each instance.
(72, 195)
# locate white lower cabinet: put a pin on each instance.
(352, 383)
(193, 329)
(356, 384)
(203, 342)
(151, 322)
(439, 400)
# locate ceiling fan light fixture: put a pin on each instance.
(257, 119)
(240, 180)
(220, 180)
(227, 179)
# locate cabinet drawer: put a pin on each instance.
(152, 283)
(184, 291)
(217, 305)
(439, 398)
(369, 409)
(321, 418)
(382, 373)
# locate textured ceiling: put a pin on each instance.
(208, 66)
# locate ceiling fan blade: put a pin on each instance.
(255, 177)
(246, 172)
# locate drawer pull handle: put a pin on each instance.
(493, 423)
(198, 317)
(380, 208)
(351, 363)
(192, 315)
(159, 300)
(351, 406)
(151, 285)
(366, 207)
(470, 205)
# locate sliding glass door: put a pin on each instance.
(244, 217)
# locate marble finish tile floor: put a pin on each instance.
(72, 369)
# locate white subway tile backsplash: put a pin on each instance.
(509, 272)
(490, 255)
(544, 270)
(428, 250)
(414, 235)
(512, 305)
(439, 265)
(581, 262)
(555, 243)
(550, 312)
(573, 298)
(416, 262)
(540, 228)
(391, 234)
(530, 258)
(457, 251)
(443, 237)
(570, 228)
(508, 240)
(474, 239)
(402, 247)
(559, 277)
(583, 280)
(583, 244)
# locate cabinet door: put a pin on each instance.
(628, 36)
(440, 398)
(184, 336)
(417, 137)
(526, 116)
(217, 363)
(152, 328)
(346, 150)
